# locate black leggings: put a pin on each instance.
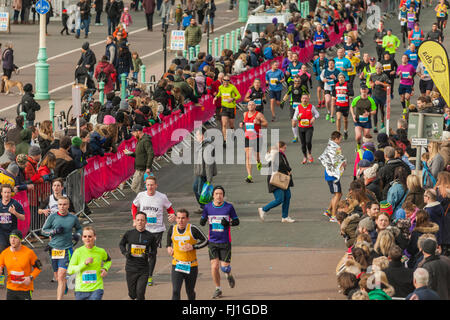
(404, 30)
(306, 135)
(189, 282)
(154, 250)
(137, 284)
(380, 107)
(440, 23)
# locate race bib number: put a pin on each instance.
(319, 41)
(405, 74)
(89, 276)
(16, 276)
(357, 54)
(152, 219)
(249, 126)
(304, 122)
(294, 72)
(341, 97)
(425, 71)
(137, 250)
(5, 218)
(258, 102)
(295, 104)
(58, 254)
(184, 267)
(387, 67)
(363, 119)
(441, 14)
(339, 64)
(273, 81)
(413, 56)
(216, 225)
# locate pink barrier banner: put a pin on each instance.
(22, 198)
(103, 174)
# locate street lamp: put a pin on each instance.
(41, 78)
(208, 13)
(165, 26)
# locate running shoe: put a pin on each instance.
(327, 117)
(345, 135)
(217, 294)
(304, 161)
(231, 281)
(66, 289)
(259, 166)
(311, 159)
(249, 179)
(332, 120)
(288, 219)
(327, 213)
(150, 281)
(295, 140)
(333, 219)
(382, 125)
(375, 129)
(261, 213)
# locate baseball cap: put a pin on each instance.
(136, 127)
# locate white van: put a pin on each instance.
(258, 21)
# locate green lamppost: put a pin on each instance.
(41, 78)
(243, 10)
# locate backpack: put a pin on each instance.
(102, 76)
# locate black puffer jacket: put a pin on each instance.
(30, 106)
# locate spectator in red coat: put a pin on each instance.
(31, 169)
(47, 166)
(110, 74)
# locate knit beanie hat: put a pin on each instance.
(109, 119)
(85, 46)
(367, 223)
(386, 207)
(13, 168)
(371, 172)
(116, 101)
(34, 151)
(76, 141)
(382, 137)
(28, 87)
(21, 160)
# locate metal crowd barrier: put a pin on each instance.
(74, 186)
(40, 193)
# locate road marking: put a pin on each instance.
(143, 57)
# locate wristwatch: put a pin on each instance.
(31, 277)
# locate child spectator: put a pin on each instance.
(65, 18)
(137, 63)
(125, 19)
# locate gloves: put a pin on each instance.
(47, 177)
(225, 222)
(59, 230)
(202, 221)
(75, 237)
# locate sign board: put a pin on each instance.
(433, 125)
(42, 6)
(419, 142)
(177, 40)
(4, 22)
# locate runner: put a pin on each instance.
(220, 216)
(379, 82)
(90, 264)
(403, 17)
(275, 78)
(441, 14)
(23, 267)
(229, 95)
(341, 100)
(50, 205)
(10, 212)
(390, 69)
(351, 74)
(391, 43)
(153, 203)
(378, 38)
(411, 17)
(320, 64)
(426, 84)
(293, 68)
(136, 245)
(295, 93)
(59, 227)
(334, 162)
(183, 241)
(367, 72)
(406, 73)
(362, 107)
(413, 57)
(252, 124)
(306, 114)
(319, 38)
(329, 77)
(435, 34)
(257, 95)
(416, 35)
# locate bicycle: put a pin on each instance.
(3, 131)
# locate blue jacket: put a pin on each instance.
(424, 293)
(396, 196)
(316, 67)
(95, 144)
(436, 213)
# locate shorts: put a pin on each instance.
(292, 111)
(331, 92)
(61, 263)
(343, 110)
(222, 251)
(402, 89)
(320, 84)
(365, 125)
(335, 186)
(275, 95)
(425, 85)
(18, 295)
(251, 143)
(379, 101)
(228, 112)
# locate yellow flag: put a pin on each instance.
(435, 59)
